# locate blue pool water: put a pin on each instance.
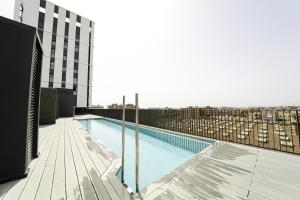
(160, 152)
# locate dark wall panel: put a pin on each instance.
(20, 70)
(67, 102)
(48, 106)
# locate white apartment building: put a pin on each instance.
(67, 39)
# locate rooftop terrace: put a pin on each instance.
(74, 164)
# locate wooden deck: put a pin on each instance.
(233, 172)
(73, 165)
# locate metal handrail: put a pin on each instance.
(137, 150)
(123, 140)
(248, 123)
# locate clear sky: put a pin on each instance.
(178, 53)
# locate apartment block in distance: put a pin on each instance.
(67, 39)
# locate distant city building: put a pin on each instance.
(113, 106)
(67, 39)
(130, 106)
(98, 106)
(120, 106)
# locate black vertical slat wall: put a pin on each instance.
(20, 72)
(33, 119)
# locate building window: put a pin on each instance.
(53, 48)
(67, 14)
(78, 19)
(66, 29)
(75, 89)
(55, 14)
(56, 9)
(64, 63)
(77, 34)
(76, 57)
(51, 66)
(76, 52)
(41, 20)
(21, 13)
(76, 47)
(65, 52)
(54, 30)
(89, 65)
(40, 34)
(43, 3)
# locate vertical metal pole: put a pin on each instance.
(298, 125)
(123, 140)
(137, 150)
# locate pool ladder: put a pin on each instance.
(137, 149)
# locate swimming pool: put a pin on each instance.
(160, 151)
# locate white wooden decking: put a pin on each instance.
(233, 172)
(73, 165)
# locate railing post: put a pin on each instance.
(298, 125)
(137, 150)
(123, 140)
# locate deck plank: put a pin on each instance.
(45, 184)
(85, 184)
(115, 188)
(37, 174)
(58, 184)
(18, 185)
(93, 173)
(72, 184)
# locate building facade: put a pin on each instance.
(67, 39)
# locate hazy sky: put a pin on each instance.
(193, 52)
